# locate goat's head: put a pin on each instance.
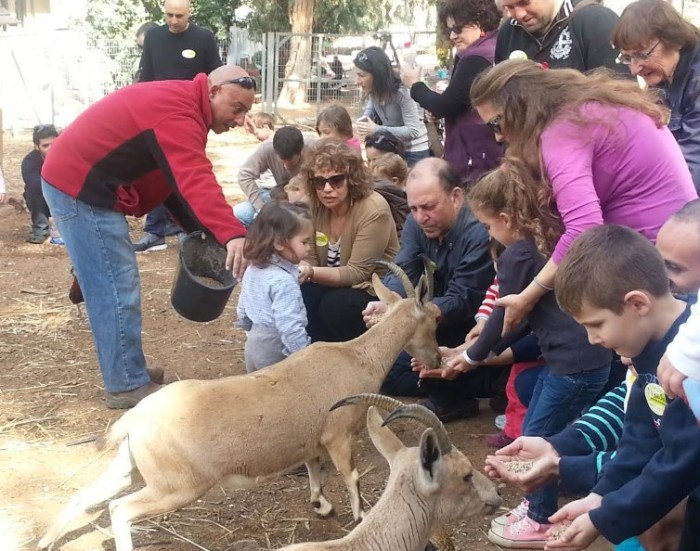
(422, 345)
(443, 472)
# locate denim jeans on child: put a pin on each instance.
(100, 249)
(557, 400)
(245, 211)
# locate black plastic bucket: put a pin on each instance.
(203, 284)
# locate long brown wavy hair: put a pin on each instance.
(530, 97)
(528, 201)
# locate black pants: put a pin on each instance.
(334, 313)
(480, 383)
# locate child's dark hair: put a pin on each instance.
(43, 131)
(529, 203)
(385, 141)
(604, 264)
(276, 222)
(337, 117)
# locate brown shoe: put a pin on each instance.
(126, 400)
(156, 374)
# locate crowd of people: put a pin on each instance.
(561, 226)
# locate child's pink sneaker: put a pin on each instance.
(514, 515)
(523, 534)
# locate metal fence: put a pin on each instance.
(53, 77)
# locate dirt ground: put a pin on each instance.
(51, 397)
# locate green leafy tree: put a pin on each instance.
(119, 18)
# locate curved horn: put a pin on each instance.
(403, 278)
(429, 267)
(428, 418)
(378, 400)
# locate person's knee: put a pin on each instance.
(244, 212)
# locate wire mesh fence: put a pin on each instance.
(54, 76)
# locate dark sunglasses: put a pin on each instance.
(495, 124)
(336, 181)
(247, 83)
(457, 29)
(361, 57)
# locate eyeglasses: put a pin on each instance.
(361, 57)
(457, 30)
(248, 83)
(627, 59)
(495, 124)
(336, 181)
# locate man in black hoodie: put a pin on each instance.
(572, 34)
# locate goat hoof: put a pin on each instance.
(322, 509)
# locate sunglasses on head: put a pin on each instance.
(495, 124)
(375, 140)
(248, 83)
(319, 182)
(361, 57)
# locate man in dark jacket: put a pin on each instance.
(43, 137)
(178, 50)
(561, 33)
(445, 230)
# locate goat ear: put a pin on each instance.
(384, 294)
(386, 442)
(430, 456)
(422, 289)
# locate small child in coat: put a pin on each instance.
(270, 306)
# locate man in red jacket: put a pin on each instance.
(141, 146)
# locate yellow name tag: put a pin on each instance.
(321, 239)
(656, 398)
(189, 54)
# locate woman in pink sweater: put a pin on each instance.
(601, 142)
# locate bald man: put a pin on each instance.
(137, 148)
(178, 50)
(443, 228)
(678, 241)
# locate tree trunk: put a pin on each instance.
(298, 68)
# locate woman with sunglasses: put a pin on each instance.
(662, 48)
(470, 147)
(389, 105)
(354, 227)
(600, 141)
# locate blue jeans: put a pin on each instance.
(97, 241)
(245, 211)
(557, 400)
(412, 157)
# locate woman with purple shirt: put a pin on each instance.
(470, 147)
(600, 141)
